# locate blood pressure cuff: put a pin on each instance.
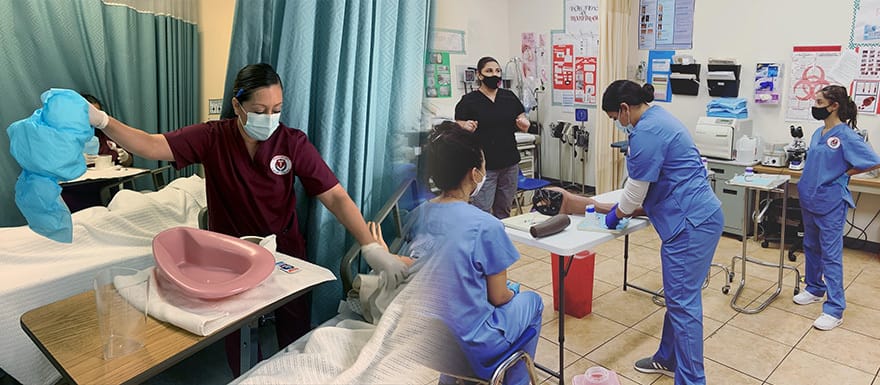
(547, 202)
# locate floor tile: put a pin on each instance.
(718, 374)
(611, 271)
(653, 325)
(622, 351)
(583, 335)
(861, 319)
(626, 307)
(776, 324)
(535, 274)
(844, 347)
(547, 355)
(643, 256)
(728, 345)
(802, 368)
(862, 294)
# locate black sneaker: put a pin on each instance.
(647, 365)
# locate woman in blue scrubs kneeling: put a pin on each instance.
(469, 257)
(836, 152)
(667, 179)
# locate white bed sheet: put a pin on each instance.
(38, 271)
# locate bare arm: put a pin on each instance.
(522, 122)
(336, 200)
(496, 287)
(854, 171)
(150, 146)
(470, 125)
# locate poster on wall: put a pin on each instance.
(582, 21)
(438, 76)
(659, 69)
(528, 50)
(866, 23)
(768, 83)
(585, 80)
(666, 24)
(810, 67)
(448, 40)
(865, 93)
(573, 70)
(563, 74)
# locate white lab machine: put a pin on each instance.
(717, 137)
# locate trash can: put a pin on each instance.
(578, 283)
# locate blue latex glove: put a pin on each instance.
(611, 219)
(513, 286)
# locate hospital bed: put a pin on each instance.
(38, 271)
(345, 348)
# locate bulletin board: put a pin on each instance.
(438, 76)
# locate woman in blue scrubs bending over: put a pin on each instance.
(668, 180)
(836, 152)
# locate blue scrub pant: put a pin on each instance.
(823, 247)
(685, 261)
(515, 317)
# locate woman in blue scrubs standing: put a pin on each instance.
(836, 152)
(668, 180)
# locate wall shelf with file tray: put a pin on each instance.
(685, 79)
(723, 80)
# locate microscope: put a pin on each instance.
(797, 150)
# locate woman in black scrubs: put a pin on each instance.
(494, 114)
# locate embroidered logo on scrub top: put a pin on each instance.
(280, 164)
(833, 142)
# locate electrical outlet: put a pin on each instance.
(214, 106)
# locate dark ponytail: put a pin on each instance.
(252, 77)
(451, 153)
(625, 91)
(847, 110)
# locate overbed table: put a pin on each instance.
(66, 331)
(568, 243)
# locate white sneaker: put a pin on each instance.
(827, 322)
(806, 298)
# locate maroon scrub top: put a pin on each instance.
(253, 197)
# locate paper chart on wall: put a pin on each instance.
(666, 24)
(809, 73)
(573, 70)
(865, 94)
(866, 23)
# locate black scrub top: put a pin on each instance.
(496, 125)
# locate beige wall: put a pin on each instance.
(215, 30)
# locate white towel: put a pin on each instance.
(203, 317)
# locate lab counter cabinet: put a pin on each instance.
(731, 197)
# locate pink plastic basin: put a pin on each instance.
(209, 265)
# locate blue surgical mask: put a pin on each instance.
(627, 129)
(91, 147)
(261, 126)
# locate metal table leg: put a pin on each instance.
(744, 257)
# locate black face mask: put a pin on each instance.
(491, 81)
(820, 113)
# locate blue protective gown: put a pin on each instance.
(825, 198)
(687, 216)
(460, 245)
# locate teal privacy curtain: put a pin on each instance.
(353, 73)
(139, 57)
